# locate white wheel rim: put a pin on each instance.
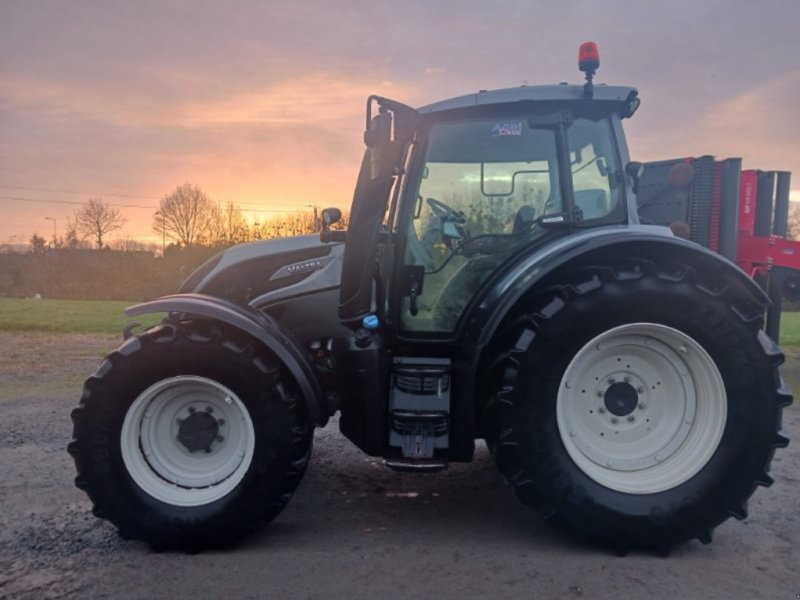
(662, 421)
(156, 431)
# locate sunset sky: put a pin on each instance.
(262, 102)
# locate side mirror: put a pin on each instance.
(376, 137)
(380, 130)
(329, 217)
(635, 170)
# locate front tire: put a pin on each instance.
(189, 437)
(636, 406)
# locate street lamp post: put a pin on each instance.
(160, 216)
(50, 259)
(55, 231)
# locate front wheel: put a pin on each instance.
(636, 406)
(189, 437)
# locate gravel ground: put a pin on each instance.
(353, 529)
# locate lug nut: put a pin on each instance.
(631, 418)
(220, 422)
(208, 450)
(600, 393)
(220, 438)
(614, 420)
(611, 380)
(627, 379)
(642, 406)
(192, 410)
(209, 409)
(640, 390)
(601, 410)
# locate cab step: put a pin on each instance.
(409, 465)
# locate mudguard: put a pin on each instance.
(636, 241)
(489, 310)
(256, 324)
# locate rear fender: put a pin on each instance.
(508, 292)
(256, 324)
(596, 247)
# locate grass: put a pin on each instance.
(790, 329)
(106, 316)
(67, 316)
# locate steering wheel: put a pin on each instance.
(441, 210)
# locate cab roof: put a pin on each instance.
(546, 93)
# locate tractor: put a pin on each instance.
(494, 283)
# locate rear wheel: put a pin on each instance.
(188, 437)
(636, 406)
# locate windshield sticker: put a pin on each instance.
(504, 129)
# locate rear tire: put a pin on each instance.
(188, 437)
(636, 406)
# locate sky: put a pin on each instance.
(262, 102)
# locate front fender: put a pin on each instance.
(255, 324)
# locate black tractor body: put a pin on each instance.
(494, 283)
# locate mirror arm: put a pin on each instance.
(327, 236)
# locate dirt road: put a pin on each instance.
(353, 529)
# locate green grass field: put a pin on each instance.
(102, 316)
(790, 329)
(67, 316)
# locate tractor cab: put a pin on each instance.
(451, 197)
(451, 193)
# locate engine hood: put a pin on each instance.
(264, 272)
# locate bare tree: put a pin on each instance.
(73, 238)
(185, 215)
(38, 244)
(290, 224)
(227, 226)
(96, 219)
(794, 221)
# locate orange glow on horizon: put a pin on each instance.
(277, 148)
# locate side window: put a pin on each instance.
(594, 168)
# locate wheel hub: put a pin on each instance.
(198, 431)
(641, 408)
(621, 399)
(187, 440)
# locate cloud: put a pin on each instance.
(313, 98)
(264, 100)
(757, 124)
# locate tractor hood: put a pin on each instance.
(261, 273)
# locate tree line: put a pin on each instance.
(187, 217)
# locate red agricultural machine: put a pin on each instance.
(742, 215)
